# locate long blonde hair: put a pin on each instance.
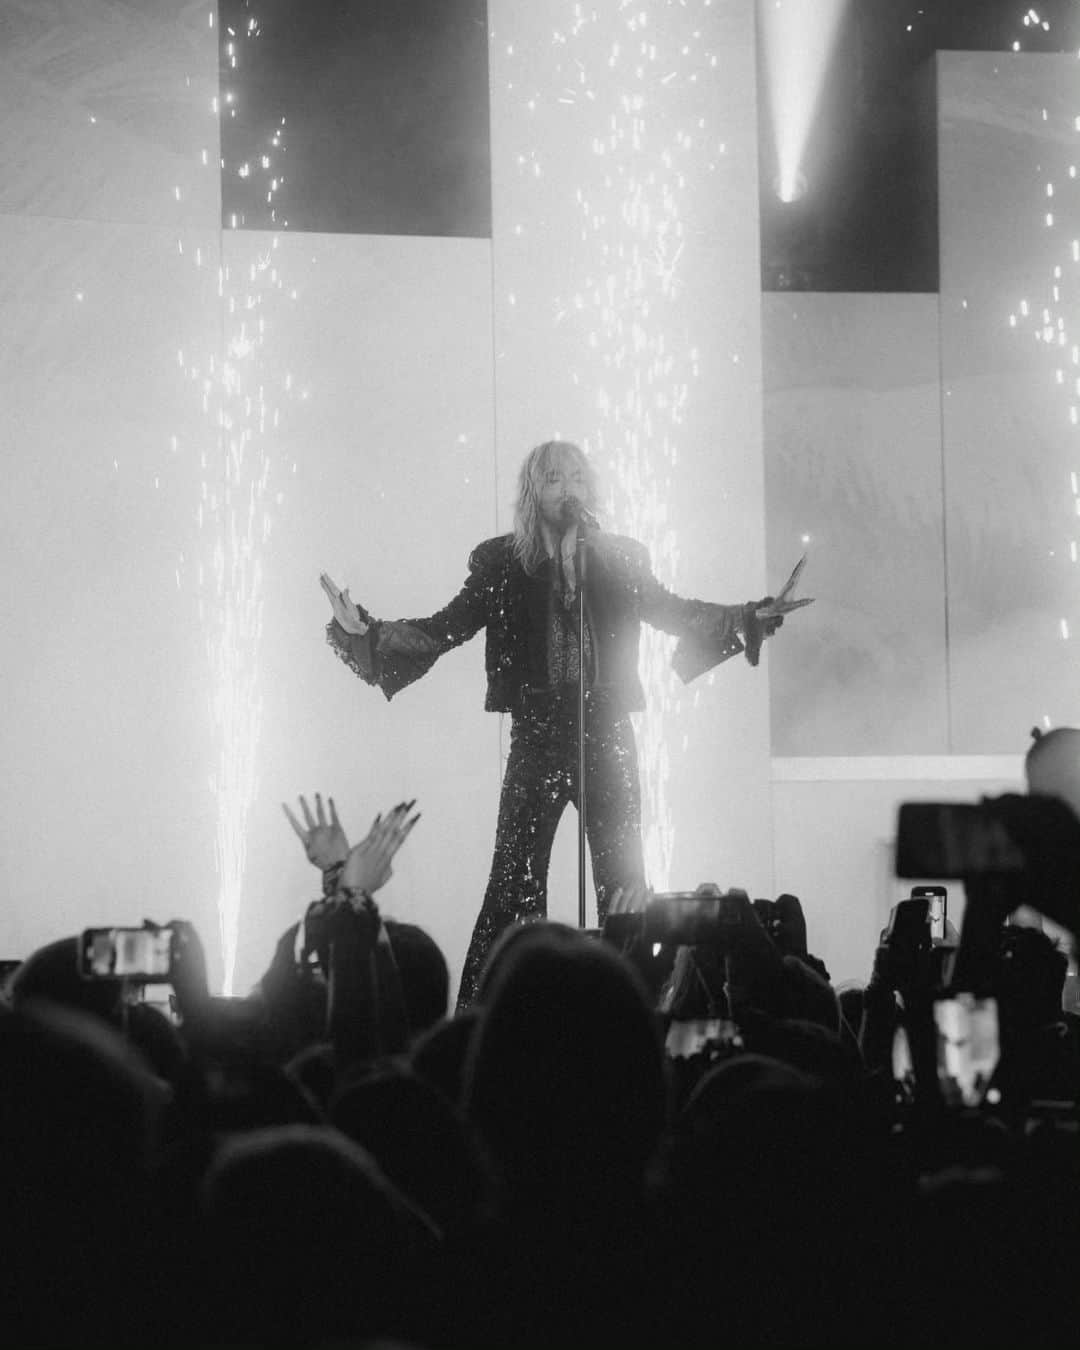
(529, 547)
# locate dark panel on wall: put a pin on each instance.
(359, 118)
(869, 218)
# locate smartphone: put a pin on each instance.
(953, 840)
(968, 1048)
(686, 918)
(714, 1036)
(766, 912)
(681, 917)
(908, 922)
(143, 954)
(938, 897)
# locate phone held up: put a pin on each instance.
(143, 955)
(953, 840)
(678, 918)
(937, 908)
(967, 1054)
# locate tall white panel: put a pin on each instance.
(1010, 304)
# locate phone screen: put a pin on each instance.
(681, 917)
(968, 1048)
(908, 921)
(126, 953)
(937, 913)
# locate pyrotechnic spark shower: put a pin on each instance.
(799, 36)
(625, 102)
(241, 400)
(1052, 320)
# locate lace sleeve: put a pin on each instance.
(391, 654)
(357, 652)
(711, 637)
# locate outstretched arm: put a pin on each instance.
(394, 653)
(708, 633)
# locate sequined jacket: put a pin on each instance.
(621, 593)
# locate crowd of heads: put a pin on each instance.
(616, 1145)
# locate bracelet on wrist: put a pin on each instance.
(330, 878)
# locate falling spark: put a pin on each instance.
(240, 397)
(1055, 321)
(626, 307)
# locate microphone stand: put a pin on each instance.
(579, 565)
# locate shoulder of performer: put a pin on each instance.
(621, 547)
(491, 553)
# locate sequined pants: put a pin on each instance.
(539, 782)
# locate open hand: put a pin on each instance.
(630, 899)
(345, 610)
(771, 610)
(324, 841)
(368, 865)
(625, 918)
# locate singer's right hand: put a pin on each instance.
(345, 611)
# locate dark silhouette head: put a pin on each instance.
(425, 979)
(52, 972)
(508, 942)
(439, 1055)
(307, 1238)
(78, 1118)
(417, 1139)
(1030, 977)
(565, 1083)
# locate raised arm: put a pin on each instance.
(393, 653)
(708, 633)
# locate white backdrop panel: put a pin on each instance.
(1008, 137)
(104, 808)
(853, 463)
(108, 110)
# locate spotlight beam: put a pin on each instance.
(799, 38)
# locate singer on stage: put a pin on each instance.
(521, 588)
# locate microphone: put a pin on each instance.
(574, 509)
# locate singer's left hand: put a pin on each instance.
(776, 609)
(784, 602)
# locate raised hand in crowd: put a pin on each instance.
(785, 923)
(903, 967)
(188, 975)
(368, 864)
(624, 922)
(630, 899)
(324, 841)
(737, 966)
(366, 1017)
(902, 961)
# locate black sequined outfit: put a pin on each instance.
(541, 778)
(532, 665)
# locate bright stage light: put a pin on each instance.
(799, 36)
(790, 190)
